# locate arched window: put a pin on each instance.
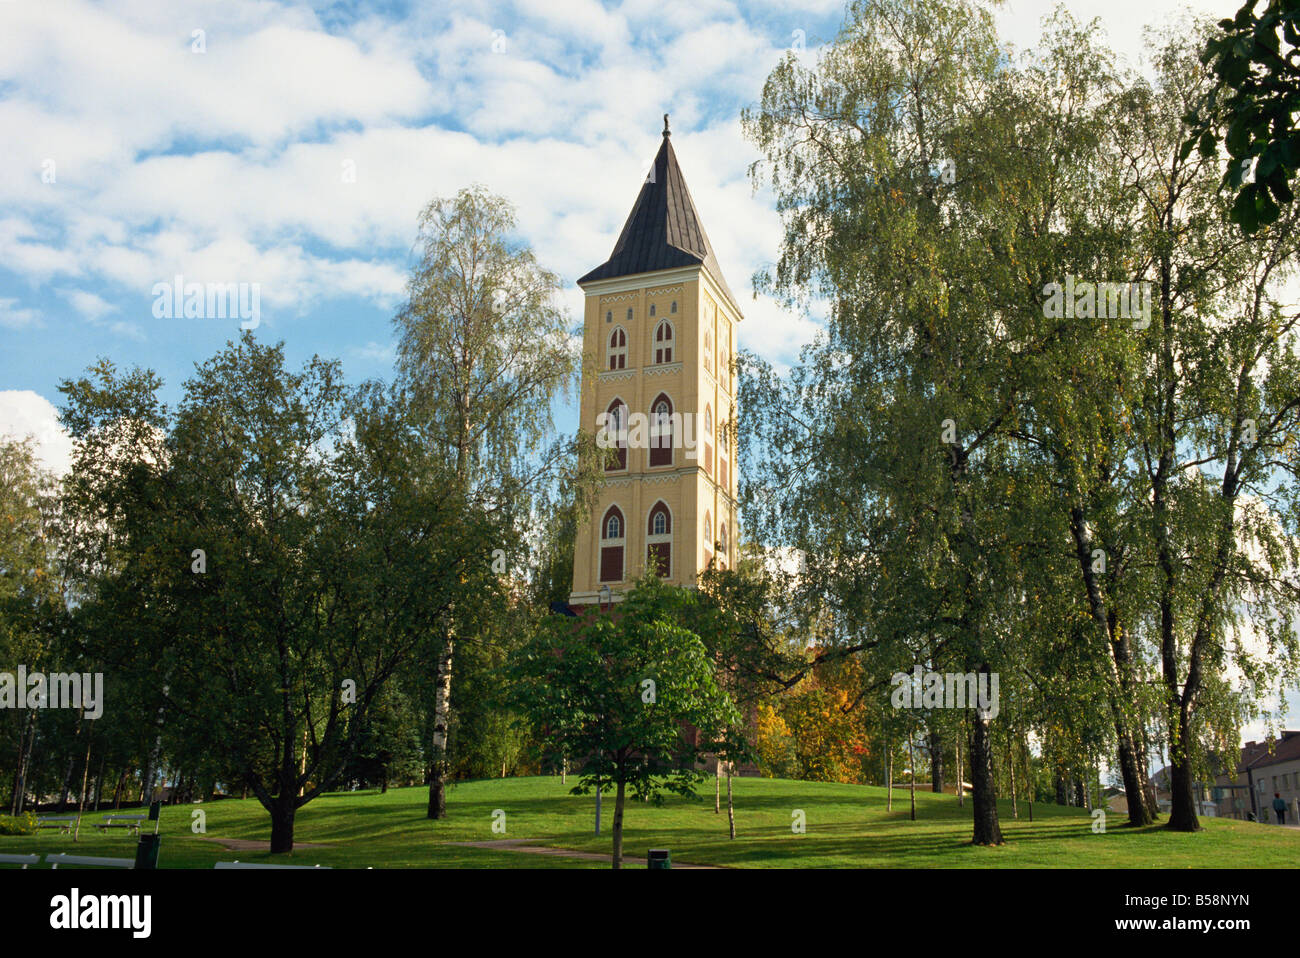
(708, 350)
(659, 540)
(724, 359)
(652, 309)
(609, 316)
(664, 342)
(707, 439)
(616, 426)
(724, 440)
(674, 307)
(661, 431)
(722, 540)
(618, 348)
(629, 314)
(612, 540)
(708, 539)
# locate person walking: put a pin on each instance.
(1279, 807)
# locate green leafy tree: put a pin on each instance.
(483, 351)
(29, 592)
(1252, 107)
(630, 694)
(897, 162)
(273, 552)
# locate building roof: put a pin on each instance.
(1257, 755)
(664, 230)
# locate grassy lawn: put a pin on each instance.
(847, 826)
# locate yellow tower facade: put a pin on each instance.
(661, 325)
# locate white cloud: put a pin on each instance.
(226, 165)
(24, 413)
(90, 305)
(376, 352)
(13, 316)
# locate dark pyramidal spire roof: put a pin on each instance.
(664, 230)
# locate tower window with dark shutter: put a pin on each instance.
(661, 432)
(618, 348)
(616, 426)
(659, 540)
(612, 541)
(708, 440)
(664, 343)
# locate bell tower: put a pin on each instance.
(660, 322)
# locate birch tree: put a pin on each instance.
(484, 350)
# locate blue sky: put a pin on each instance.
(227, 165)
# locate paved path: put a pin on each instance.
(521, 845)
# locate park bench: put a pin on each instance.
(23, 860)
(62, 822)
(63, 858)
(131, 823)
(239, 864)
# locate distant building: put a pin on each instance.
(1116, 800)
(1263, 769)
(1201, 793)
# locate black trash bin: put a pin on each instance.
(659, 858)
(146, 853)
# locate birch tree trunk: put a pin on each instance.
(1011, 770)
(81, 802)
(26, 736)
(99, 783)
(731, 808)
(911, 761)
(961, 788)
(302, 763)
(441, 713)
(889, 776)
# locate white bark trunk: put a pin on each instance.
(441, 717)
(731, 808)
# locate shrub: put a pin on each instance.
(24, 824)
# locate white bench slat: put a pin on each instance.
(23, 860)
(63, 858)
(239, 864)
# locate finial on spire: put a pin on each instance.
(667, 132)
